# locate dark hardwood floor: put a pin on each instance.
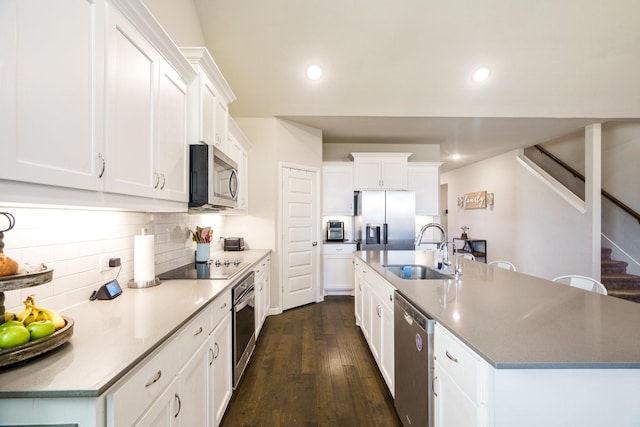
(312, 367)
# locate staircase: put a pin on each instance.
(615, 278)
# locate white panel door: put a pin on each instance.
(299, 240)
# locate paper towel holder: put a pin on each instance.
(143, 284)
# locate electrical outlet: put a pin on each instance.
(104, 263)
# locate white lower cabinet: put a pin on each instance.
(220, 370)
(165, 410)
(461, 383)
(193, 389)
(186, 382)
(337, 268)
(357, 285)
(262, 292)
(374, 308)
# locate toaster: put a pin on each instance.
(234, 244)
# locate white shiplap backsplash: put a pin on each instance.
(72, 241)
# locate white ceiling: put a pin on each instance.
(399, 70)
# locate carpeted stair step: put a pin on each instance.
(628, 282)
(608, 266)
(628, 294)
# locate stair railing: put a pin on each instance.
(578, 175)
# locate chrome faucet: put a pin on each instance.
(444, 245)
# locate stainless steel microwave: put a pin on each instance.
(213, 178)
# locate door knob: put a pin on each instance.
(314, 244)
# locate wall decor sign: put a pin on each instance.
(477, 200)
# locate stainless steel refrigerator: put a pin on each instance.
(386, 220)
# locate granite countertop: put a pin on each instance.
(111, 336)
(517, 321)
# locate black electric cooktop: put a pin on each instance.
(214, 269)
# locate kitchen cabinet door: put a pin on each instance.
(452, 406)
(237, 144)
(386, 364)
(210, 107)
(132, 78)
(357, 284)
(165, 410)
(207, 116)
(337, 266)
(375, 335)
(380, 171)
(222, 125)
(194, 389)
(337, 190)
(52, 86)
(170, 178)
(424, 180)
(220, 370)
(262, 282)
(365, 324)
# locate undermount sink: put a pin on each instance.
(416, 272)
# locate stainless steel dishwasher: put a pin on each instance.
(413, 352)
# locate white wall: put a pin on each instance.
(71, 241)
(273, 141)
(179, 18)
(620, 172)
(529, 224)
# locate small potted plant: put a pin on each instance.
(464, 232)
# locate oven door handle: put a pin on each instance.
(244, 300)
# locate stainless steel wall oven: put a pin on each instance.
(244, 326)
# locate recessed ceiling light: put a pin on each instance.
(480, 75)
(456, 157)
(314, 72)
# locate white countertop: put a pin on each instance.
(111, 336)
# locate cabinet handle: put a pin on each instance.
(433, 386)
(104, 165)
(391, 297)
(212, 356)
(198, 332)
(217, 352)
(177, 398)
(164, 181)
(450, 357)
(157, 180)
(154, 379)
(378, 308)
(223, 306)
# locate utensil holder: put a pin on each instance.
(203, 252)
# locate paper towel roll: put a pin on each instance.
(144, 269)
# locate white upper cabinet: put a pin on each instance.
(337, 189)
(380, 171)
(209, 109)
(96, 103)
(147, 100)
(52, 87)
(171, 154)
(132, 76)
(424, 180)
(238, 146)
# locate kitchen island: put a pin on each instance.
(548, 354)
(111, 339)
